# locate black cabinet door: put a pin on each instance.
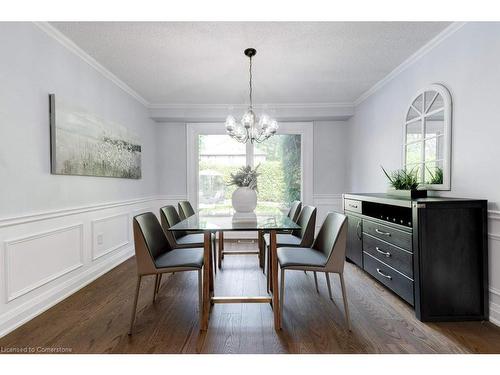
(354, 249)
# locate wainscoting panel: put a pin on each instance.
(109, 234)
(326, 203)
(494, 265)
(35, 260)
(47, 256)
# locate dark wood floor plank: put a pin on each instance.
(96, 318)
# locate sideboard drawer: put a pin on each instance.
(352, 205)
(392, 235)
(393, 256)
(391, 278)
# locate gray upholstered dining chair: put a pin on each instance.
(180, 239)
(302, 237)
(294, 211)
(185, 209)
(327, 255)
(155, 256)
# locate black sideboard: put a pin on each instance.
(432, 252)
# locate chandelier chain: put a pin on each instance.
(250, 83)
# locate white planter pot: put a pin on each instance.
(244, 199)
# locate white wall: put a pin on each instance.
(467, 63)
(330, 157)
(48, 223)
(172, 165)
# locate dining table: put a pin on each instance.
(212, 224)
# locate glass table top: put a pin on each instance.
(235, 222)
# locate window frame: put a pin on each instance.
(305, 129)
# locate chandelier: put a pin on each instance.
(251, 128)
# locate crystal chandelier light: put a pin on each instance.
(251, 128)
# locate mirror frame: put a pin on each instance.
(447, 120)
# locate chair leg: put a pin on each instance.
(200, 294)
(259, 245)
(156, 287)
(344, 296)
(268, 271)
(214, 254)
(328, 285)
(282, 291)
(221, 248)
(134, 309)
(159, 283)
(316, 281)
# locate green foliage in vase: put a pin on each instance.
(401, 179)
(245, 177)
(436, 177)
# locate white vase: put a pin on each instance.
(244, 199)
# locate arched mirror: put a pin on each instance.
(427, 137)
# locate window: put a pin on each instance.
(213, 155)
(427, 135)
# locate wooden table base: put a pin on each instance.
(263, 299)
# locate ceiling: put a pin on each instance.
(296, 62)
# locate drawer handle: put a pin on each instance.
(387, 254)
(381, 232)
(383, 274)
(353, 205)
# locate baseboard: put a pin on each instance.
(14, 318)
(494, 313)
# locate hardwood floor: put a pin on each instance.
(95, 320)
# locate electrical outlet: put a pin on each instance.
(99, 239)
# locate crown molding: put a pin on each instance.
(424, 50)
(281, 111)
(71, 46)
(270, 106)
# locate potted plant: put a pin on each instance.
(244, 198)
(404, 184)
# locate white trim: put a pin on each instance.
(71, 46)
(12, 319)
(45, 215)
(493, 215)
(61, 212)
(10, 295)
(429, 46)
(112, 248)
(172, 197)
(240, 106)
(305, 129)
(447, 135)
(216, 113)
(494, 291)
(494, 237)
(494, 313)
